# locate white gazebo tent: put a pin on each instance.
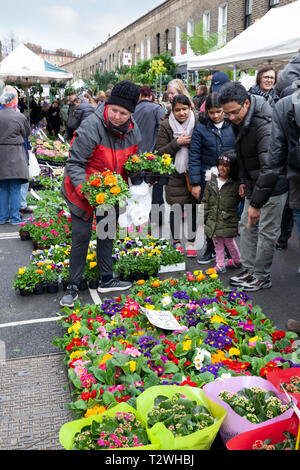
(274, 38)
(24, 66)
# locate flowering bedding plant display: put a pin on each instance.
(121, 431)
(113, 353)
(144, 255)
(47, 231)
(150, 162)
(107, 188)
(254, 404)
(179, 414)
(52, 151)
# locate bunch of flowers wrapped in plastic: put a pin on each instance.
(121, 431)
(254, 404)
(179, 414)
(288, 443)
(293, 386)
(106, 188)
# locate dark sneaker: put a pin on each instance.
(113, 285)
(256, 284)
(281, 245)
(242, 277)
(208, 257)
(70, 296)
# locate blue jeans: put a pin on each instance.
(24, 191)
(10, 193)
(296, 213)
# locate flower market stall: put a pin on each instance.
(154, 369)
(115, 355)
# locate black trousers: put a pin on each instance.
(81, 236)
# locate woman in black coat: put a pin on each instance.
(212, 137)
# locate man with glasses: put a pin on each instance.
(265, 191)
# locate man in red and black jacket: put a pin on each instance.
(104, 140)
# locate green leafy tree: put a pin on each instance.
(200, 42)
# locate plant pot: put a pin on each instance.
(136, 178)
(151, 178)
(52, 287)
(135, 276)
(93, 283)
(24, 292)
(163, 179)
(83, 285)
(25, 236)
(39, 289)
(37, 246)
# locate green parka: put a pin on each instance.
(221, 207)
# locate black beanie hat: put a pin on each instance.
(125, 94)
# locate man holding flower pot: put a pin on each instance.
(104, 141)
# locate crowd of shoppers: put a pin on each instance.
(236, 151)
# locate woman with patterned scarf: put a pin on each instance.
(266, 79)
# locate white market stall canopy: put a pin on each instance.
(24, 65)
(274, 38)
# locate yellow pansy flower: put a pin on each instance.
(219, 356)
(255, 338)
(78, 354)
(187, 345)
(95, 410)
(105, 358)
(149, 306)
(132, 365)
(218, 319)
(75, 327)
(234, 352)
(214, 276)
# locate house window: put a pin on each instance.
(158, 42)
(190, 31)
(273, 3)
(142, 50)
(134, 55)
(206, 24)
(167, 39)
(248, 13)
(222, 24)
(148, 48)
(178, 41)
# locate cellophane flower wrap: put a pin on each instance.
(106, 188)
(69, 430)
(275, 433)
(196, 440)
(235, 424)
(287, 378)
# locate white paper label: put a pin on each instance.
(162, 319)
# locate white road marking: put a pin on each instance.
(29, 322)
(93, 293)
